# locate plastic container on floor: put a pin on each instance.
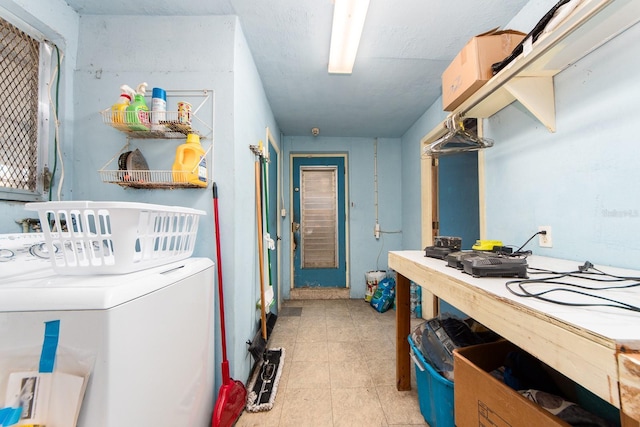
(435, 393)
(373, 278)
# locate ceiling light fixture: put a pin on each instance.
(348, 21)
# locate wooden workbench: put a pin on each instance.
(597, 347)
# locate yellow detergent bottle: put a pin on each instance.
(190, 165)
(118, 109)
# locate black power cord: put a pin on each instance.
(585, 272)
(508, 251)
(542, 232)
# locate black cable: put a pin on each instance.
(55, 134)
(574, 285)
(530, 239)
(583, 273)
(518, 252)
(539, 296)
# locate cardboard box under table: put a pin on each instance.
(480, 399)
(471, 68)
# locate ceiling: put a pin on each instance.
(405, 47)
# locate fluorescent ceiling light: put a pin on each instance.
(348, 21)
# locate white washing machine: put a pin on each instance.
(149, 334)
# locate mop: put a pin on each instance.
(263, 385)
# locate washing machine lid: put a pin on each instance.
(45, 290)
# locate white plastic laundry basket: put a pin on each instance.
(115, 237)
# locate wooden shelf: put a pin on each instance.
(529, 78)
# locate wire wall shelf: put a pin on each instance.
(160, 125)
(150, 179)
(145, 179)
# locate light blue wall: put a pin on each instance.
(214, 56)
(583, 180)
(252, 115)
(103, 52)
(59, 24)
(155, 52)
(366, 253)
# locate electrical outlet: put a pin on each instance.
(544, 240)
(376, 231)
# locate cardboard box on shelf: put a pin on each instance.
(481, 399)
(471, 68)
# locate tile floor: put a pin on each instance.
(339, 368)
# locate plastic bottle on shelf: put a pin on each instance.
(190, 165)
(137, 111)
(415, 300)
(158, 108)
(118, 109)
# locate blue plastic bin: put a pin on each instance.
(435, 393)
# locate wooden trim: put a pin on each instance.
(403, 321)
(629, 373)
(435, 200)
(426, 188)
(429, 196)
(482, 211)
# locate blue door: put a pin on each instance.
(458, 205)
(319, 222)
(458, 212)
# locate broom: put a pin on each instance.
(232, 395)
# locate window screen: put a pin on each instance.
(22, 86)
(319, 215)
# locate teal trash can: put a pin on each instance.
(435, 392)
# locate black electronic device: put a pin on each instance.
(454, 259)
(443, 246)
(495, 266)
(437, 252)
(448, 242)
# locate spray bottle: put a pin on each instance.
(118, 109)
(190, 164)
(137, 111)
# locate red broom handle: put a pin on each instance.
(225, 362)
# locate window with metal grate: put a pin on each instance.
(24, 114)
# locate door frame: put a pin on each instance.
(347, 253)
(429, 208)
(279, 207)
